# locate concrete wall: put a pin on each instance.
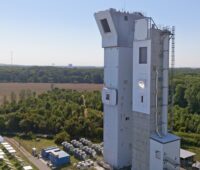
(118, 62)
(118, 118)
(144, 118)
(141, 135)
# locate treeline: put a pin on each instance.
(49, 74)
(38, 74)
(74, 113)
(187, 101)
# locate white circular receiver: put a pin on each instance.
(141, 84)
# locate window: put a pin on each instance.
(126, 18)
(107, 96)
(158, 154)
(142, 99)
(105, 25)
(143, 55)
(127, 118)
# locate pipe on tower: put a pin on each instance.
(165, 83)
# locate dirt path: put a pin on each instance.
(35, 161)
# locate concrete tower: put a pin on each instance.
(135, 96)
(117, 30)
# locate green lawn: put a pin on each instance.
(28, 144)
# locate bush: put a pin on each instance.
(62, 136)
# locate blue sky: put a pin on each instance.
(43, 32)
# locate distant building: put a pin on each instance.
(70, 66)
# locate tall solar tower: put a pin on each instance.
(117, 31)
(135, 96)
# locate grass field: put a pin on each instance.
(29, 144)
(7, 88)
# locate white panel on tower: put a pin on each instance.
(109, 96)
(141, 78)
(141, 29)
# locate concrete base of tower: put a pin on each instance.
(164, 152)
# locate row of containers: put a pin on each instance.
(83, 148)
(56, 156)
(8, 147)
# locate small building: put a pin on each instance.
(45, 152)
(187, 159)
(59, 158)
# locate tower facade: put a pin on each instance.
(135, 93)
(117, 31)
(150, 138)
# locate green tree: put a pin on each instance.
(62, 136)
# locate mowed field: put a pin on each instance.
(7, 88)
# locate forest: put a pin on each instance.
(187, 102)
(75, 113)
(44, 74)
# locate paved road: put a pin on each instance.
(35, 161)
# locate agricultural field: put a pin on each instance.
(7, 88)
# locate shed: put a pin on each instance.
(187, 158)
(59, 158)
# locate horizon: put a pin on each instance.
(76, 66)
(54, 33)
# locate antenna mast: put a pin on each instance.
(172, 77)
(11, 57)
(124, 6)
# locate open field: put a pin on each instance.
(7, 88)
